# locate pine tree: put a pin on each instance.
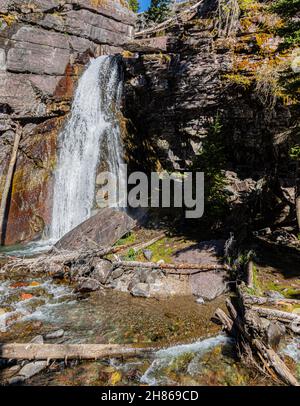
(134, 5)
(158, 11)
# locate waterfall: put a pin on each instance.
(92, 125)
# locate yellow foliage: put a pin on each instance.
(238, 79)
(115, 378)
(127, 54)
(8, 18)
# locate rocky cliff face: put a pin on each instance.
(44, 46)
(202, 71)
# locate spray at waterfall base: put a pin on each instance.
(157, 190)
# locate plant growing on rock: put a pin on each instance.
(134, 5)
(211, 161)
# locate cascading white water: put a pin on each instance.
(92, 122)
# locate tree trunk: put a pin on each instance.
(180, 268)
(297, 194)
(67, 351)
(8, 180)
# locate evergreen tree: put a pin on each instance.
(134, 5)
(158, 11)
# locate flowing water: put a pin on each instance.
(92, 123)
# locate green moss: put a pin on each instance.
(126, 240)
(131, 255)
(180, 364)
(162, 250)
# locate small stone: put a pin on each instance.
(33, 368)
(88, 285)
(37, 340)
(140, 290)
(148, 254)
(55, 334)
(117, 273)
(16, 380)
(26, 296)
(200, 300)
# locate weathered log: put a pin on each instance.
(224, 320)
(248, 331)
(256, 300)
(250, 276)
(8, 179)
(68, 351)
(276, 314)
(180, 268)
(276, 363)
(165, 24)
(147, 244)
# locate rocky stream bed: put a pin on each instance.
(189, 347)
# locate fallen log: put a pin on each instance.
(68, 351)
(147, 244)
(276, 363)
(250, 276)
(226, 321)
(180, 268)
(276, 314)
(137, 247)
(165, 24)
(256, 300)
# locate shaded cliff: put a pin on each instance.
(44, 46)
(209, 68)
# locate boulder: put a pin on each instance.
(102, 270)
(31, 369)
(102, 230)
(140, 290)
(208, 285)
(117, 273)
(88, 285)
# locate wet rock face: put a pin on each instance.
(44, 47)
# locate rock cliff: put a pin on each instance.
(44, 46)
(204, 69)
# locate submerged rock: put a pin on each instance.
(140, 290)
(102, 230)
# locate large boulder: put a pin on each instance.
(102, 230)
(207, 285)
